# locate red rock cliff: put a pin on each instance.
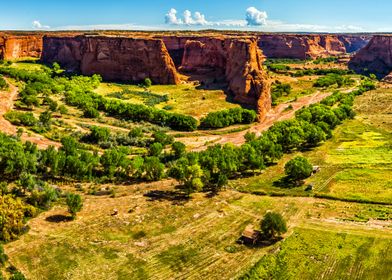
(354, 43)
(240, 61)
(114, 58)
(300, 46)
(375, 58)
(14, 46)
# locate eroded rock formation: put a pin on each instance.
(354, 43)
(375, 58)
(16, 46)
(114, 58)
(239, 61)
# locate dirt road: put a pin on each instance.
(7, 99)
(278, 113)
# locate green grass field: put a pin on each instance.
(356, 164)
(335, 231)
(326, 254)
(185, 98)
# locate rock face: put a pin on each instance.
(239, 61)
(375, 58)
(300, 46)
(175, 46)
(354, 43)
(246, 76)
(114, 58)
(310, 46)
(15, 47)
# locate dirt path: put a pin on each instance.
(276, 114)
(7, 99)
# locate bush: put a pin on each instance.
(147, 82)
(98, 134)
(21, 118)
(74, 203)
(153, 169)
(3, 83)
(279, 90)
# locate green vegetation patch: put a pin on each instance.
(312, 254)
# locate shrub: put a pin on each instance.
(3, 83)
(74, 203)
(21, 118)
(147, 82)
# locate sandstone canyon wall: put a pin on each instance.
(297, 46)
(354, 43)
(114, 58)
(16, 46)
(300, 46)
(240, 62)
(375, 58)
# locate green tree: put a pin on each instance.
(179, 149)
(74, 203)
(273, 225)
(153, 169)
(56, 67)
(189, 174)
(135, 132)
(155, 149)
(99, 134)
(298, 168)
(162, 138)
(147, 82)
(45, 119)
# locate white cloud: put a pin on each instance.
(37, 25)
(188, 19)
(254, 17)
(171, 17)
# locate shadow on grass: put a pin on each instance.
(177, 197)
(58, 219)
(262, 243)
(287, 183)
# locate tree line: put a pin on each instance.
(212, 168)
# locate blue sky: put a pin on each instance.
(260, 15)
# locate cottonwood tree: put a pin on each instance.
(298, 168)
(273, 225)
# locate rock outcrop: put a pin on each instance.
(175, 46)
(114, 58)
(375, 58)
(246, 76)
(16, 46)
(239, 61)
(354, 43)
(300, 46)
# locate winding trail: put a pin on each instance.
(7, 99)
(278, 113)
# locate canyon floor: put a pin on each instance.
(343, 230)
